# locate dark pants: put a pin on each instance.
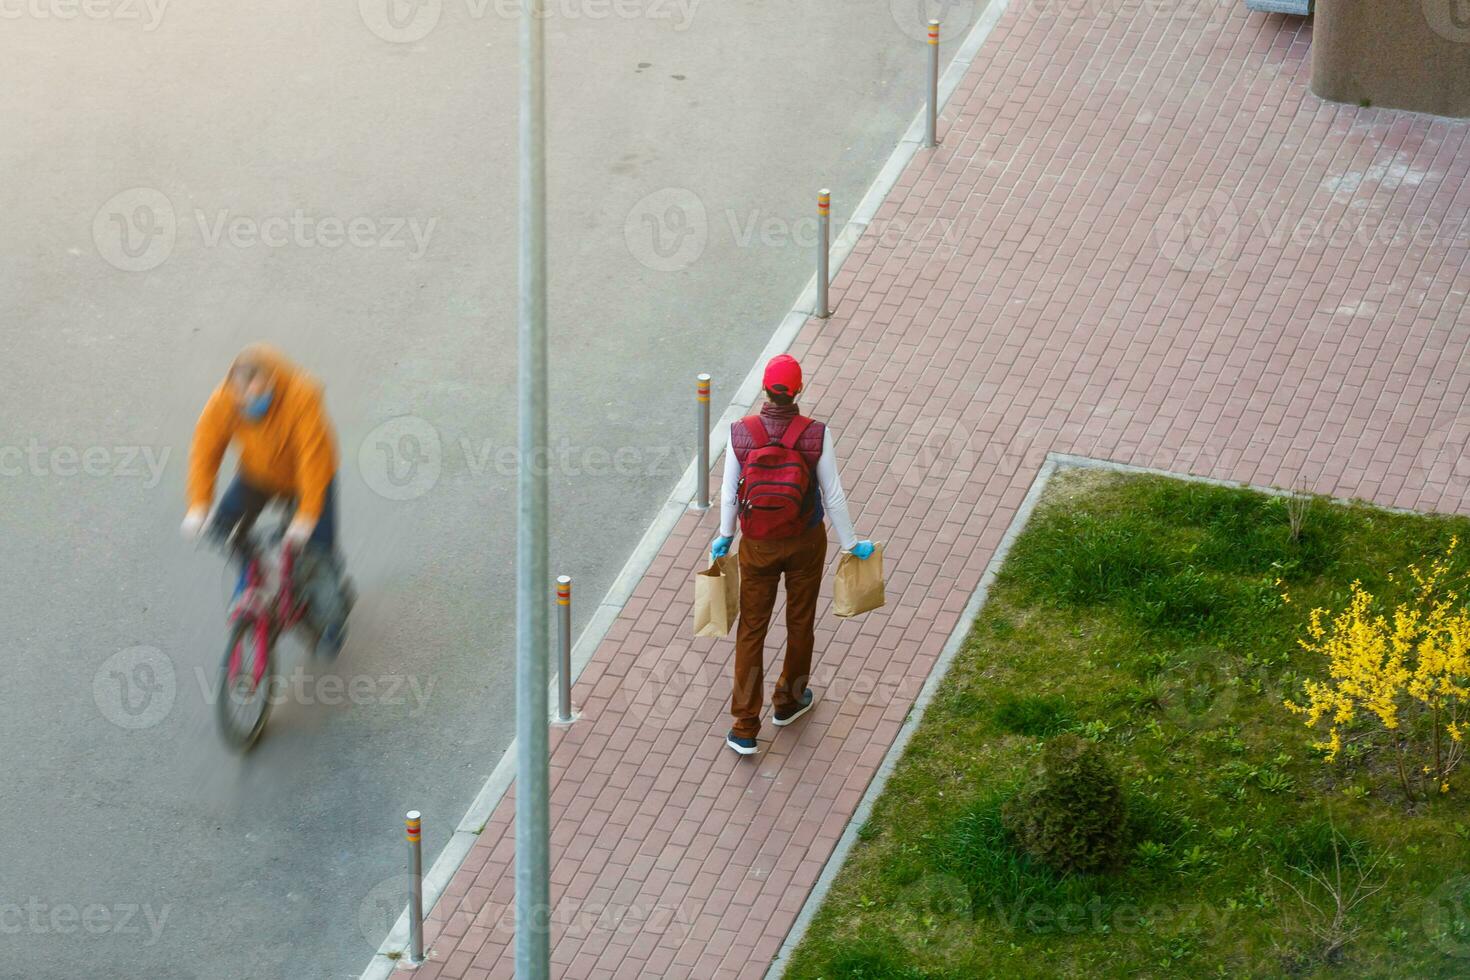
(240, 508)
(242, 503)
(762, 564)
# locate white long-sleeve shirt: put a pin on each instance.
(834, 498)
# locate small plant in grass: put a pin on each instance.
(1147, 695)
(1298, 506)
(1408, 669)
(1151, 853)
(1275, 781)
(1330, 894)
(1071, 816)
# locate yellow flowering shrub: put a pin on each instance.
(1407, 668)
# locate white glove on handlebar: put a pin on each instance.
(193, 527)
(299, 532)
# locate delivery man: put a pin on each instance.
(781, 478)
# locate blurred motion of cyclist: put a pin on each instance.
(272, 412)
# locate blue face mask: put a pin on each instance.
(256, 408)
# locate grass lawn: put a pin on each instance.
(1145, 614)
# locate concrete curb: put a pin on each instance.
(1089, 463)
(394, 949)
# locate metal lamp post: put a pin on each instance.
(533, 839)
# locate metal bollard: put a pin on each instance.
(931, 121)
(824, 251)
(415, 888)
(564, 668)
(701, 486)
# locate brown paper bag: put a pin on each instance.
(859, 585)
(717, 597)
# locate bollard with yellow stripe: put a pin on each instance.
(701, 443)
(414, 831)
(563, 650)
(931, 107)
(824, 252)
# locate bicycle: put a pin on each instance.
(263, 611)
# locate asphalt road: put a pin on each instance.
(179, 179)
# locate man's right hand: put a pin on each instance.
(721, 547)
(194, 523)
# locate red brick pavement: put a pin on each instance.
(1142, 239)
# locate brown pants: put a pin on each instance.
(762, 563)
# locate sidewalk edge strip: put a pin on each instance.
(394, 949)
(1092, 463)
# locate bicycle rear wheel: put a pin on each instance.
(243, 701)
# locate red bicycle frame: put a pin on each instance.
(271, 615)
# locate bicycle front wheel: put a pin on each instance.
(243, 701)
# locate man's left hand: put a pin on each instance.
(299, 532)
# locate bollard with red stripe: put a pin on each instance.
(413, 825)
(701, 445)
(564, 650)
(824, 252)
(931, 116)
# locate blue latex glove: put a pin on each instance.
(863, 549)
(720, 548)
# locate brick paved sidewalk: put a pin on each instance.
(1143, 239)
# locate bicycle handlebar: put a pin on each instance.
(250, 544)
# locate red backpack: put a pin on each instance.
(776, 491)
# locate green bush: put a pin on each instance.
(1071, 816)
(1005, 883)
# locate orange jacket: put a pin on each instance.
(291, 451)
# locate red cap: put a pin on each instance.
(783, 375)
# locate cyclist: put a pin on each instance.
(272, 412)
